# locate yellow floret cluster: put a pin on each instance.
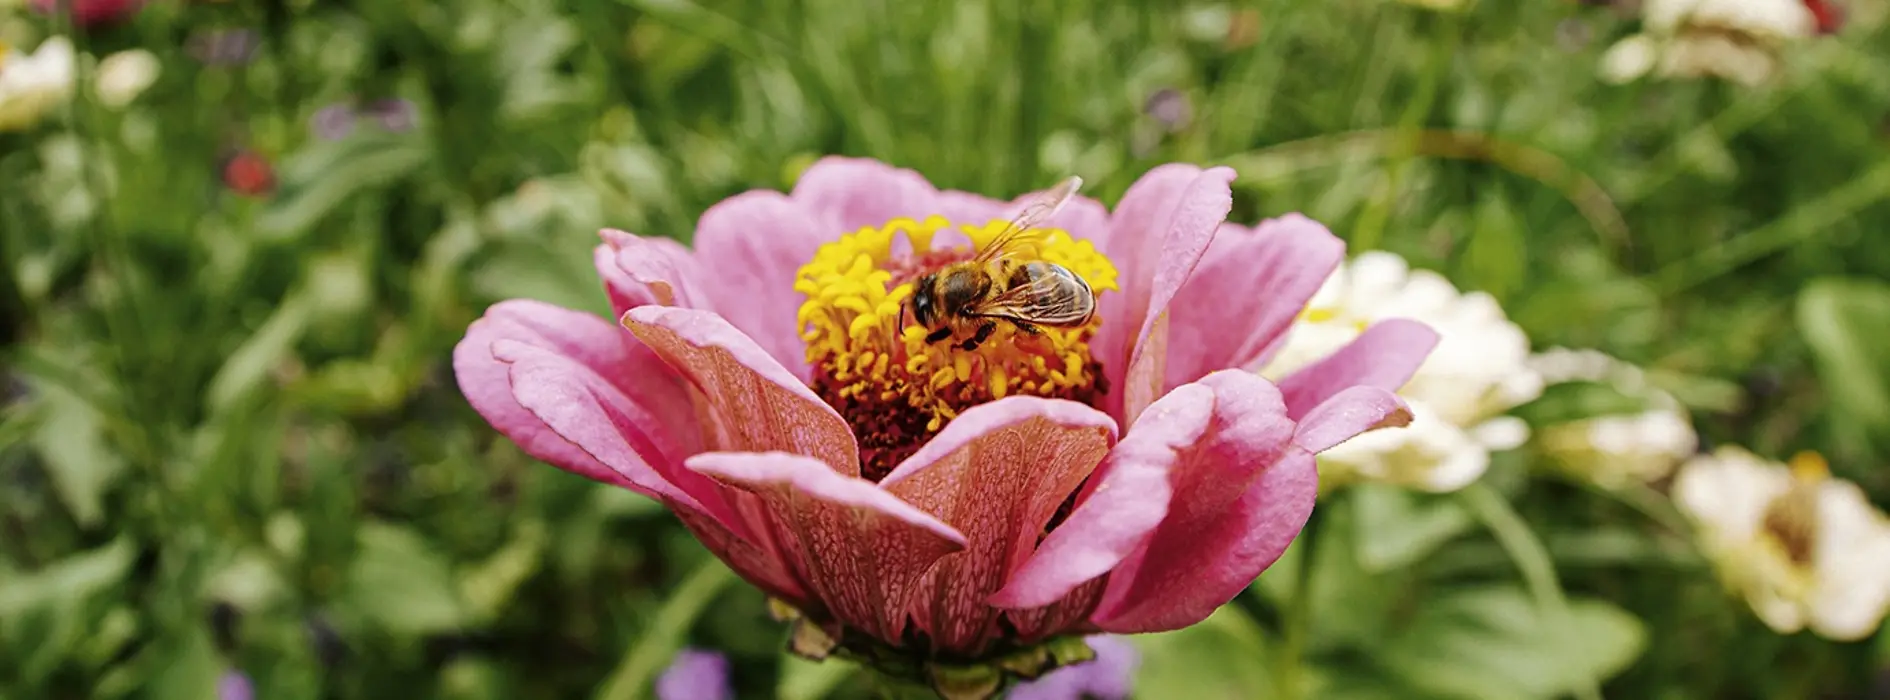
(851, 321)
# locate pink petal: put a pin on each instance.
(640, 271)
(1347, 414)
(1205, 550)
(863, 550)
(1123, 504)
(1159, 232)
(578, 404)
(1246, 293)
(1084, 218)
(851, 193)
(997, 473)
(755, 404)
(1384, 356)
(967, 208)
(756, 242)
(585, 340)
(1206, 562)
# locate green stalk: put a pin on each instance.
(1370, 229)
(1527, 552)
(1298, 622)
(632, 678)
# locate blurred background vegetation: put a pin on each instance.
(232, 441)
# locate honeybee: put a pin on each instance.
(996, 285)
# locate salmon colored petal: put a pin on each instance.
(998, 472)
(1384, 356)
(851, 193)
(1349, 413)
(1197, 558)
(1123, 504)
(586, 341)
(756, 557)
(640, 271)
(1182, 579)
(1160, 231)
(861, 548)
(757, 241)
(754, 404)
(1246, 293)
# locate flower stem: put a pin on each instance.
(1368, 233)
(632, 678)
(1298, 622)
(1528, 553)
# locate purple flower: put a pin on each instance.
(695, 674)
(224, 47)
(1110, 676)
(1170, 108)
(394, 115)
(333, 123)
(235, 686)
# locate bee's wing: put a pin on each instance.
(1035, 213)
(1048, 300)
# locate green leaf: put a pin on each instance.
(1396, 527)
(1225, 656)
(802, 679)
(488, 587)
(72, 578)
(400, 583)
(1496, 257)
(1578, 400)
(71, 440)
(319, 180)
(1494, 642)
(247, 369)
(1847, 324)
(186, 669)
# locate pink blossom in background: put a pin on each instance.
(1130, 475)
(86, 13)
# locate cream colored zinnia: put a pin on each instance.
(1806, 550)
(1478, 371)
(1614, 450)
(32, 85)
(125, 75)
(1738, 40)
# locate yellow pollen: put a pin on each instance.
(871, 355)
(1318, 315)
(1810, 467)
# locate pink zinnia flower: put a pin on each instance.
(86, 13)
(1128, 475)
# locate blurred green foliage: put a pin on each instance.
(232, 439)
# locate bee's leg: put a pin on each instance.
(939, 335)
(984, 333)
(1026, 328)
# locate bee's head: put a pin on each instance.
(924, 301)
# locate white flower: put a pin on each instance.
(1738, 40)
(1621, 449)
(1617, 449)
(1803, 548)
(124, 75)
(1478, 371)
(31, 85)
